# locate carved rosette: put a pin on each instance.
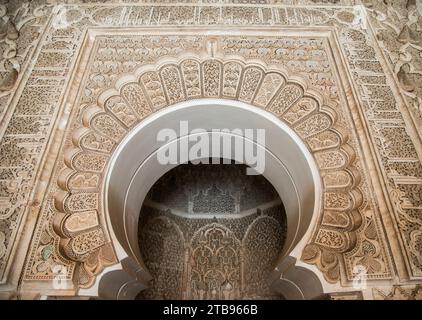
(104, 124)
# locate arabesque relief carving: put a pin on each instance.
(153, 87)
(211, 232)
(398, 28)
(353, 233)
(411, 292)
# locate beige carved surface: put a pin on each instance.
(105, 119)
(372, 145)
(398, 28)
(412, 292)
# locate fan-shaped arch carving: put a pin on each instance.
(152, 87)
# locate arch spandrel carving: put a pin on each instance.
(149, 88)
(367, 66)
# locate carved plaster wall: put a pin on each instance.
(76, 78)
(202, 223)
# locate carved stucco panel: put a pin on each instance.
(26, 132)
(301, 112)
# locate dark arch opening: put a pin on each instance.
(210, 231)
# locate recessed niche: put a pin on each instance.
(210, 231)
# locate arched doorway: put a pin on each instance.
(289, 167)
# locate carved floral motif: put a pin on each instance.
(310, 115)
(35, 107)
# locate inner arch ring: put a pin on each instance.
(288, 159)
